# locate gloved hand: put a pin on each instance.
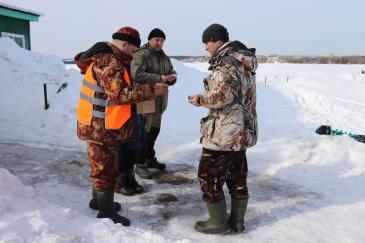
(195, 100)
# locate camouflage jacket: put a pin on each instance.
(108, 70)
(230, 95)
(147, 67)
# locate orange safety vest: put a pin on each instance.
(115, 115)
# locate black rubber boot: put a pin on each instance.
(133, 182)
(152, 163)
(141, 168)
(217, 222)
(123, 185)
(143, 172)
(150, 153)
(93, 204)
(105, 198)
(238, 210)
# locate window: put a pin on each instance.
(19, 39)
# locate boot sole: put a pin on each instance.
(225, 232)
(218, 232)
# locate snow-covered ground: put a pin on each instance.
(303, 187)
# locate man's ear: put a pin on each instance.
(124, 44)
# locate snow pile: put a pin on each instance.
(51, 67)
(25, 218)
(23, 118)
(13, 192)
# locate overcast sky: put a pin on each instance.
(307, 27)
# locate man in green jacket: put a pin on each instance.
(150, 65)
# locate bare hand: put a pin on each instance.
(194, 100)
(171, 77)
(163, 78)
(161, 89)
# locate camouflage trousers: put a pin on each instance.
(103, 163)
(219, 167)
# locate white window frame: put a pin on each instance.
(12, 35)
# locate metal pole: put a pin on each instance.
(46, 105)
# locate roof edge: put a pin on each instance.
(12, 7)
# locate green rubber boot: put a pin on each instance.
(105, 198)
(238, 210)
(93, 204)
(217, 222)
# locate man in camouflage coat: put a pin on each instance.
(110, 61)
(228, 130)
(150, 65)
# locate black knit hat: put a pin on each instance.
(215, 32)
(156, 33)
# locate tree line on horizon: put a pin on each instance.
(331, 59)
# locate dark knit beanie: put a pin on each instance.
(215, 32)
(156, 33)
(128, 34)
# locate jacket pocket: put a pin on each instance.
(207, 126)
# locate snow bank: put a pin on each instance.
(13, 192)
(25, 218)
(23, 118)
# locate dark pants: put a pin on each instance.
(219, 167)
(127, 152)
(150, 142)
(126, 158)
(152, 124)
(147, 150)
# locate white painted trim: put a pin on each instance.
(20, 9)
(12, 35)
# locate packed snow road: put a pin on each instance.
(62, 177)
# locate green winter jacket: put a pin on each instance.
(147, 67)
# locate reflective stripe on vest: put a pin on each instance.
(115, 115)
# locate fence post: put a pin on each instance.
(287, 79)
(265, 80)
(46, 105)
